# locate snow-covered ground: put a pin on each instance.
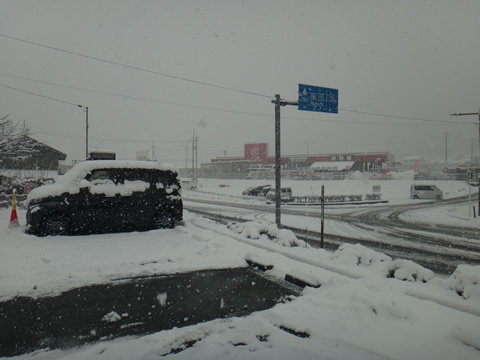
(396, 192)
(367, 307)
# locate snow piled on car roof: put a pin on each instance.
(70, 182)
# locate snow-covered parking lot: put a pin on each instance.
(367, 306)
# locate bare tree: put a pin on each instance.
(13, 139)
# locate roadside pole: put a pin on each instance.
(277, 162)
(310, 98)
(469, 187)
(278, 102)
(322, 231)
(469, 179)
(469, 201)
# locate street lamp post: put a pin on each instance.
(477, 113)
(470, 185)
(86, 130)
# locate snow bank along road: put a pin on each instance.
(382, 228)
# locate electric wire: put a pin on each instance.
(135, 67)
(395, 116)
(124, 96)
(197, 82)
(40, 95)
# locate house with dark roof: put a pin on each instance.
(26, 153)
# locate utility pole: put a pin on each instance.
(193, 155)
(86, 129)
(196, 160)
(471, 154)
(446, 143)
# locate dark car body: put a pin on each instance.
(257, 190)
(106, 196)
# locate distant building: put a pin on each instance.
(102, 155)
(30, 154)
(256, 163)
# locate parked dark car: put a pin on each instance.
(257, 190)
(106, 196)
(285, 194)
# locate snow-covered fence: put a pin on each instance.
(332, 199)
(310, 199)
(374, 196)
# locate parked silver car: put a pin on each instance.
(426, 191)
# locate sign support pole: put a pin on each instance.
(86, 129)
(322, 231)
(278, 102)
(277, 162)
(310, 98)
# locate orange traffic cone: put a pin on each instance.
(14, 217)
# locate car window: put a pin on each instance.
(103, 177)
(107, 176)
(134, 175)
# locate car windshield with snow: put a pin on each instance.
(106, 196)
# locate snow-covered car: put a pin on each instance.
(106, 196)
(261, 190)
(188, 184)
(285, 194)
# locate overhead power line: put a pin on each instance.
(124, 96)
(40, 95)
(394, 116)
(194, 81)
(188, 80)
(36, 130)
(134, 67)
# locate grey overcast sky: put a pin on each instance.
(406, 59)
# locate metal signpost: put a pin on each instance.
(310, 98)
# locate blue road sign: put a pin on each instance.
(314, 98)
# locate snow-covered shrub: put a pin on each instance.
(407, 270)
(268, 231)
(359, 255)
(466, 281)
(356, 254)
